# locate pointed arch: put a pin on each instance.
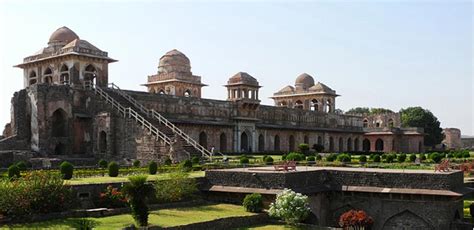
(341, 144)
(32, 78)
(261, 143)
(59, 123)
(406, 220)
(90, 73)
(64, 75)
(48, 75)
(291, 143)
(203, 139)
(349, 144)
(223, 142)
(314, 105)
(331, 144)
(306, 139)
(298, 104)
(276, 143)
(379, 145)
(366, 145)
(244, 142)
(102, 142)
(356, 145)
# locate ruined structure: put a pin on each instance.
(452, 139)
(68, 109)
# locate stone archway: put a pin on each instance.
(244, 142)
(366, 145)
(379, 145)
(102, 142)
(59, 123)
(223, 142)
(203, 139)
(276, 143)
(261, 143)
(406, 220)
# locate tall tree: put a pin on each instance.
(371, 111)
(423, 118)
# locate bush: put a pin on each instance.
(253, 203)
(268, 160)
(244, 160)
(113, 169)
(355, 219)
(451, 155)
(152, 168)
(137, 192)
(103, 163)
(13, 172)
(187, 165)
(436, 157)
(466, 154)
(195, 160)
(344, 158)
(311, 159)
(167, 161)
(67, 170)
(177, 186)
(319, 157)
(112, 198)
(290, 206)
(318, 148)
(295, 157)
(21, 165)
(390, 158)
(422, 157)
(303, 148)
(412, 157)
(332, 157)
(136, 163)
(283, 157)
(377, 158)
(401, 158)
(363, 159)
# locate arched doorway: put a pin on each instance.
(291, 144)
(349, 144)
(314, 105)
(261, 143)
(341, 144)
(320, 140)
(276, 143)
(64, 75)
(48, 76)
(379, 145)
(60, 149)
(223, 142)
(32, 78)
(356, 144)
(244, 142)
(331, 144)
(59, 123)
(203, 139)
(366, 123)
(306, 139)
(298, 104)
(366, 145)
(90, 74)
(102, 142)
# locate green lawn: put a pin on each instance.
(107, 179)
(163, 218)
(278, 227)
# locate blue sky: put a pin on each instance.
(391, 54)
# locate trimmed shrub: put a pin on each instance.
(177, 186)
(67, 169)
(466, 154)
(21, 165)
(422, 157)
(195, 160)
(436, 157)
(136, 163)
(253, 203)
(319, 157)
(295, 157)
(451, 155)
(283, 157)
(311, 159)
(377, 158)
(152, 168)
(290, 206)
(103, 163)
(389, 158)
(344, 158)
(303, 148)
(401, 158)
(13, 172)
(187, 165)
(244, 160)
(268, 160)
(458, 155)
(332, 157)
(363, 159)
(318, 148)
(113, 169)
(167, 161)
(412, 157)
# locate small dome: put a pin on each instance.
(304, 80)
(63, 35)
(242, 78)
(174, 61)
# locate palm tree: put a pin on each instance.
(137, 193)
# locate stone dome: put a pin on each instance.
(242, 78)
(63, 35)
(174, 61)
(304, 80)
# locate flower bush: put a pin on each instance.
(112, 198)
(178, 186)
(290, 206)
(354, 219)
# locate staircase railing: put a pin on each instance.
(131, 114)
(152, 113)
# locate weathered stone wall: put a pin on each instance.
(452, 138)
(468, 143)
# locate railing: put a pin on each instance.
(152, 113)
(130, 113)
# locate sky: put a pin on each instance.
(390, 54)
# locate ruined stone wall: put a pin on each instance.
(452, 138)
(384, 120)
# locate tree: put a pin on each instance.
(137, 192)
(367, 111)
(423, 118)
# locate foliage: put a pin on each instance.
(84, 224)
(103, 163)
(344, 158)
(389, 158)
(136, 163)
(283, 157)
(112, 198)
(371, 111)
(318, 148)
(244, 159)
(253, 202)
(177, 187)
(422, 157)
(401, 158)
(113, 169)
(21, 165)
(423, 118)
(152, 168)
(471, 210)
(167, 161)
(363, 159)
(436, 157)
(319, 157)
(187, 165)
(137, 192)
(195, 160)
(332, 157)
(311, 159)
(268, 160)
(295, 156)
(303, 148)
(13, 172)
(290, 206)
(355, 218)
(36, 192)
(412, 157)
(67, 170)
(377, 158)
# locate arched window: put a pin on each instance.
(420, 147)
(329, 107)
(48, 76)
(161, 91)
(59, 123)
(203, 139)
(64, 75)
(299, 104)
(314, 105)
(366, 123)
(366, 145)
(341, 144)
(379, 145)
(187, 93)
(320, 140)
(102, 142)
(378, 124)
(349, 144)
(261, 143)
(244, 142)
(223, 142)
(276, 143)
(331, 144)
(306, 139)
(356, 145)
(390, 123)
(90, 74)
(32, 78)
(282, 104)
(291, 143)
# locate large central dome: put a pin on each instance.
(63, 35)
(174, 61)
(304, 81)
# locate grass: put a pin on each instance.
(162, 218)
(466, 208)
(278, 227)
(107, 179)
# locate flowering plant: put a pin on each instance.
(112, 198)
(354, 219)
(290, 206)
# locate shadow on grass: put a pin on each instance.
(82, 224)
